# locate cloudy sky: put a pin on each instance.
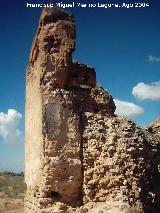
(122, 44)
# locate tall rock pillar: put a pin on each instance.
(53, 140)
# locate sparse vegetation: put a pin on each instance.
(12, 189)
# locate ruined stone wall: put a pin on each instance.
(79, 156)
(121, 165)
(53, 157)
(154, 128)
(33, 133)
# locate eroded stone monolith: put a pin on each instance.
(79, 156)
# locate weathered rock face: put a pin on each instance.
(154, 128)
(79, 156)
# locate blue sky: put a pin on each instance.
(122, 44)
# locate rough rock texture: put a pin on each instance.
(79, 156)
(154, 128)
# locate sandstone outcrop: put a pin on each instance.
(79, 156)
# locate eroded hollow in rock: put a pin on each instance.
(54, 195)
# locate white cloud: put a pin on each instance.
(147, 91)
(8, 126)
(127, 109)
(153, 58)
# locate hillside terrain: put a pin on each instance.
(12, 189)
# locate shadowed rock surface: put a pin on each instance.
(79, 156)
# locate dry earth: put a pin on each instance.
(12, 189)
